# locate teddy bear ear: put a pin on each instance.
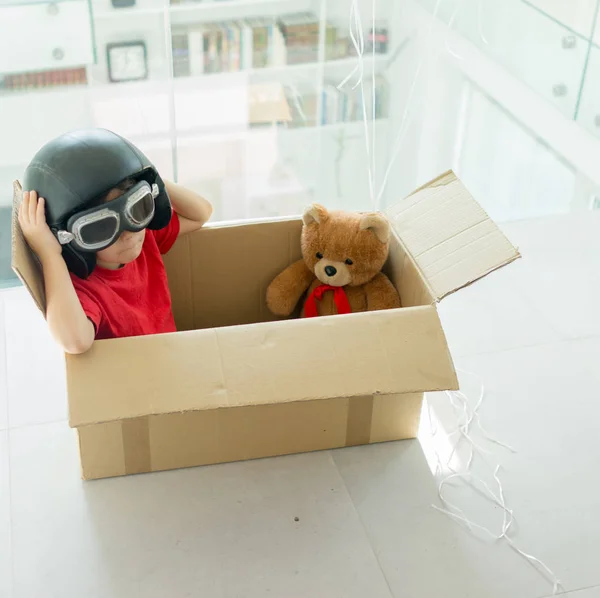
(314, 213)
(378, 224)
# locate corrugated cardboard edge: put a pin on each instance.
(23, 261)
(441, 181)
(436, 182)
(479, 277)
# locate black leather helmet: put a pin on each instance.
(74, 170)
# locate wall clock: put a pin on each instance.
(127, 61)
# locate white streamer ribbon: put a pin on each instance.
(358, 41)
(460, 402)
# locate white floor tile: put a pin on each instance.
(421, 551)
(3, 384)
(5, 532)
(493, 315)
(562, 277)
(223, 531)
(564, 290)
(35, 365)
(547, 295)
(564, 233)
(544, 402)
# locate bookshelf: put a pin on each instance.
(195, 123)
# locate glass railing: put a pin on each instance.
(551, 45)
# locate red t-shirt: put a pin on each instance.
(134, 300)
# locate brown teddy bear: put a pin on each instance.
(340, 272)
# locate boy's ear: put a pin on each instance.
(315, 213)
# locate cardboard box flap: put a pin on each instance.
(23, 261)
(449, 236)
(276, 362)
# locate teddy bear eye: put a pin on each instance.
(349, 262)
(319, 255)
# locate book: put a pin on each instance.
(219, 58)
(346, 105)
(303, 104)
(44, 79)
(235, 49)
(380, 38)
(260, 40)
(224, 56)
(301, 33)
(235, 45)
(324, 107)
(211, 45)
(270, 48)
(247, 45)
(277, 45)
(180, 53)
(196, 51)
(332, 112)
(382, 97)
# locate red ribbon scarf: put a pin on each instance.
(339, 296)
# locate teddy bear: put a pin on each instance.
(340, 273)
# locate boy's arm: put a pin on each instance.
(192, 209)
(66, 319)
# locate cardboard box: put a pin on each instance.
(234, 384)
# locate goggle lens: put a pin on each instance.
(99, 231)
(142, 210)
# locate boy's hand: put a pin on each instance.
(36, 231)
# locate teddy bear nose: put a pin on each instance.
(330, 271)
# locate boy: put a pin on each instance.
(123, 289)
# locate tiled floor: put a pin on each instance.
(365, 523)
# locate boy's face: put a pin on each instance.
(126, 249)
